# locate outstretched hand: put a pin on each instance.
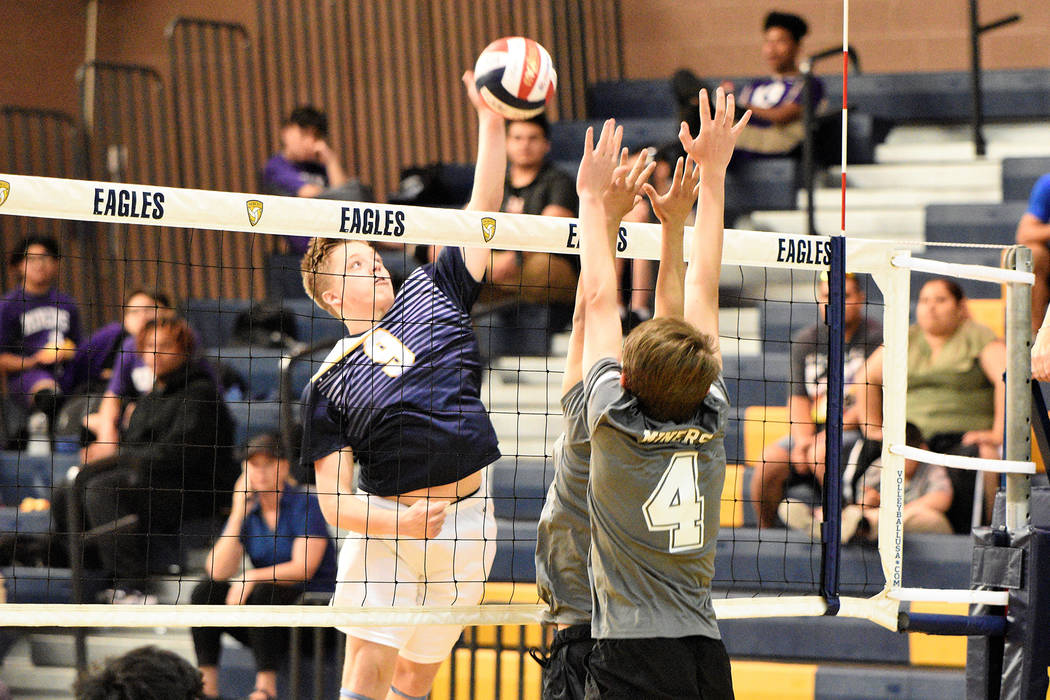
(713, 146)
(623, 193)
(673, 207)
(600, 160)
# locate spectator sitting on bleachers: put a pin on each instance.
(281, 530)
(1033, 230)
(107, 364)
(174, 462)
(956, 392)
(534, 185)
(306, 166)
(800, 456)
(776, 101)
(146, 673)
(927, 497)
(39, 329)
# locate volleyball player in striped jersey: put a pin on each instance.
(657, 423)
(401, 395)
(564, 536)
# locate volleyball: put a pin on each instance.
(515, 76)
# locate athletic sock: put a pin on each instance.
(351, 695)
(403, 694)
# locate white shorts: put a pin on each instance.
(448, 570)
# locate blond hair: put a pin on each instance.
(669, 366)
(317, 279)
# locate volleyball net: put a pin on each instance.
(773, 287)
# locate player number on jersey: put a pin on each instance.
(675, 505)
(386, 350)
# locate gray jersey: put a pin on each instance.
(564, 535)
(654, 499)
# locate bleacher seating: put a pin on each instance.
(993, 224)
(214, 320)
(1019, 176)
(946, 96)
(631, 99)
(252, 417)
(567, 136)
(258, 367)
(767, 183)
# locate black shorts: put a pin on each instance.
(565, 669)
(659, 668)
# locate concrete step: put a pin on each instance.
(905, 224)
(960, 151)
(941, 176)
(501, 396)
(26, 680)
(925, 134)
(521, 426)
(899, 197)
(57, 649)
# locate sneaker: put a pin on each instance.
(799, 516)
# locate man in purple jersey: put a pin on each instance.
(306, 165)
(776, 102)
(39, 327)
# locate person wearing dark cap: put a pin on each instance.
(776, 101)
(39, 328)
(281, 531)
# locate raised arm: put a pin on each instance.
(574, 354)
(490, 170)
(607, 186)
(224, 559)
(617, 201)
(712, 149)
(672, 209)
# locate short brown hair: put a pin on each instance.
(669, 366)
(180, 331)
(312, 267)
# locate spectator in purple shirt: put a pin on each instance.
(39, 328)
(306, 165)
(108, 362)
(776, 101)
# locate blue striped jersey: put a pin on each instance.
(406, 395)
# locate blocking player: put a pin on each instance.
(402, 397)
(657, 423)
(564, 529)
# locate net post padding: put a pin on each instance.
(895, 284)
(1017, 443)
(831, 529)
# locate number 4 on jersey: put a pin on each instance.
(676, 504)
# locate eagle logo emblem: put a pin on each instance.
(5, 189)
(488, 228)
(255, 211)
